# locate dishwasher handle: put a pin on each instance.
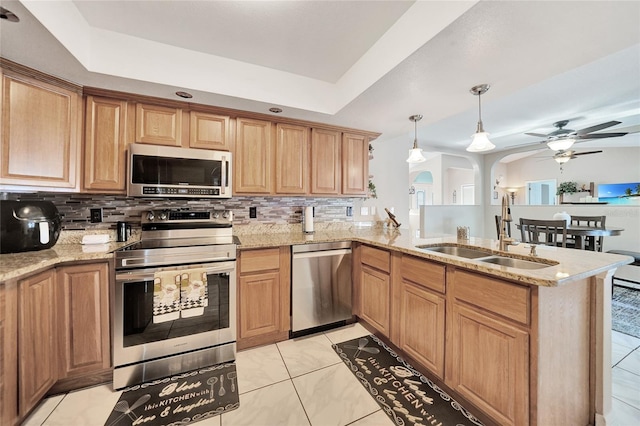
(322, 253)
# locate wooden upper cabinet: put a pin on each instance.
(355, 164)
(209, 131)
(253, 157)
(292, 159)
(325, 162)
(105, 144)
(41, 131)
(158, 125)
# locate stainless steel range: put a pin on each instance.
(174, 296)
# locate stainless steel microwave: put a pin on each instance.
(162, 171)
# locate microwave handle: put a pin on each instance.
(224, 175)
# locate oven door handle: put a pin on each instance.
(148, 276)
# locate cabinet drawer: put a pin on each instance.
(423, 272)
(259, 260)
(509, 300)
(379, 259)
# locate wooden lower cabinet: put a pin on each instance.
(263, 296)
(422, 315)
(374, 298)
(83, 318)
(54, 335)
(8, 353)
(488, 364)
(37, 346)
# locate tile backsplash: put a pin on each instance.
(75, 208)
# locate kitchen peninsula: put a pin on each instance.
(541, 336)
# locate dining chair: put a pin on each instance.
(546, 232)
(499, 224)
(591, 243)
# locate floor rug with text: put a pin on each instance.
(404, 394)
(178, 400)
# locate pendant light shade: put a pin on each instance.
(480, 140)
(415, 154)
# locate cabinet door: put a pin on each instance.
(259, 304)
(209, 131)
(292, 157)
(355, 164)
(325, 162)
(424, 342)
(8, 354)
(374, 293)
(158, 125)
(41, 130)
(37, 370)
(83, 305)
(105, 144)
(253, 157)
(487, 363)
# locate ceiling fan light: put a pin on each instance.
(562, 159)
(415, 156)
(561, 144)
(480, 143)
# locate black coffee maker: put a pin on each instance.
(28, 225)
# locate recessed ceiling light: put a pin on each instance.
(8, 15)
(184, 95)
(275, 110)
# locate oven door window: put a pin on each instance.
(177, 171)
(138, 317)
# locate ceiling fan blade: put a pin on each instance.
(538, 135)
(600, 136)
(585, 153)
(597, 127)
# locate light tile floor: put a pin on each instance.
(303, 382)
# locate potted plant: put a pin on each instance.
(566, 188)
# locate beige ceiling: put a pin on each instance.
(362, 64)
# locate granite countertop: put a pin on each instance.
(572, 264)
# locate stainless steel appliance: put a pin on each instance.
(162, 171)
(320, 286)
(153, 338)
(28, 225)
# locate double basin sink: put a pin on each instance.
(488, 256)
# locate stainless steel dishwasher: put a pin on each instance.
(320, 286)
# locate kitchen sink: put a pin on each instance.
(465, 252)
(514, 263)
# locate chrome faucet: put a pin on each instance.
(505, 240)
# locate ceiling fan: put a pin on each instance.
(562, 139)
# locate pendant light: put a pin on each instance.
(415, 154)
(480, 140)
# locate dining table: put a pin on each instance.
(581, 232)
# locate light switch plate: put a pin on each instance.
(364, 211)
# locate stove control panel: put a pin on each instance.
(188, 216)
